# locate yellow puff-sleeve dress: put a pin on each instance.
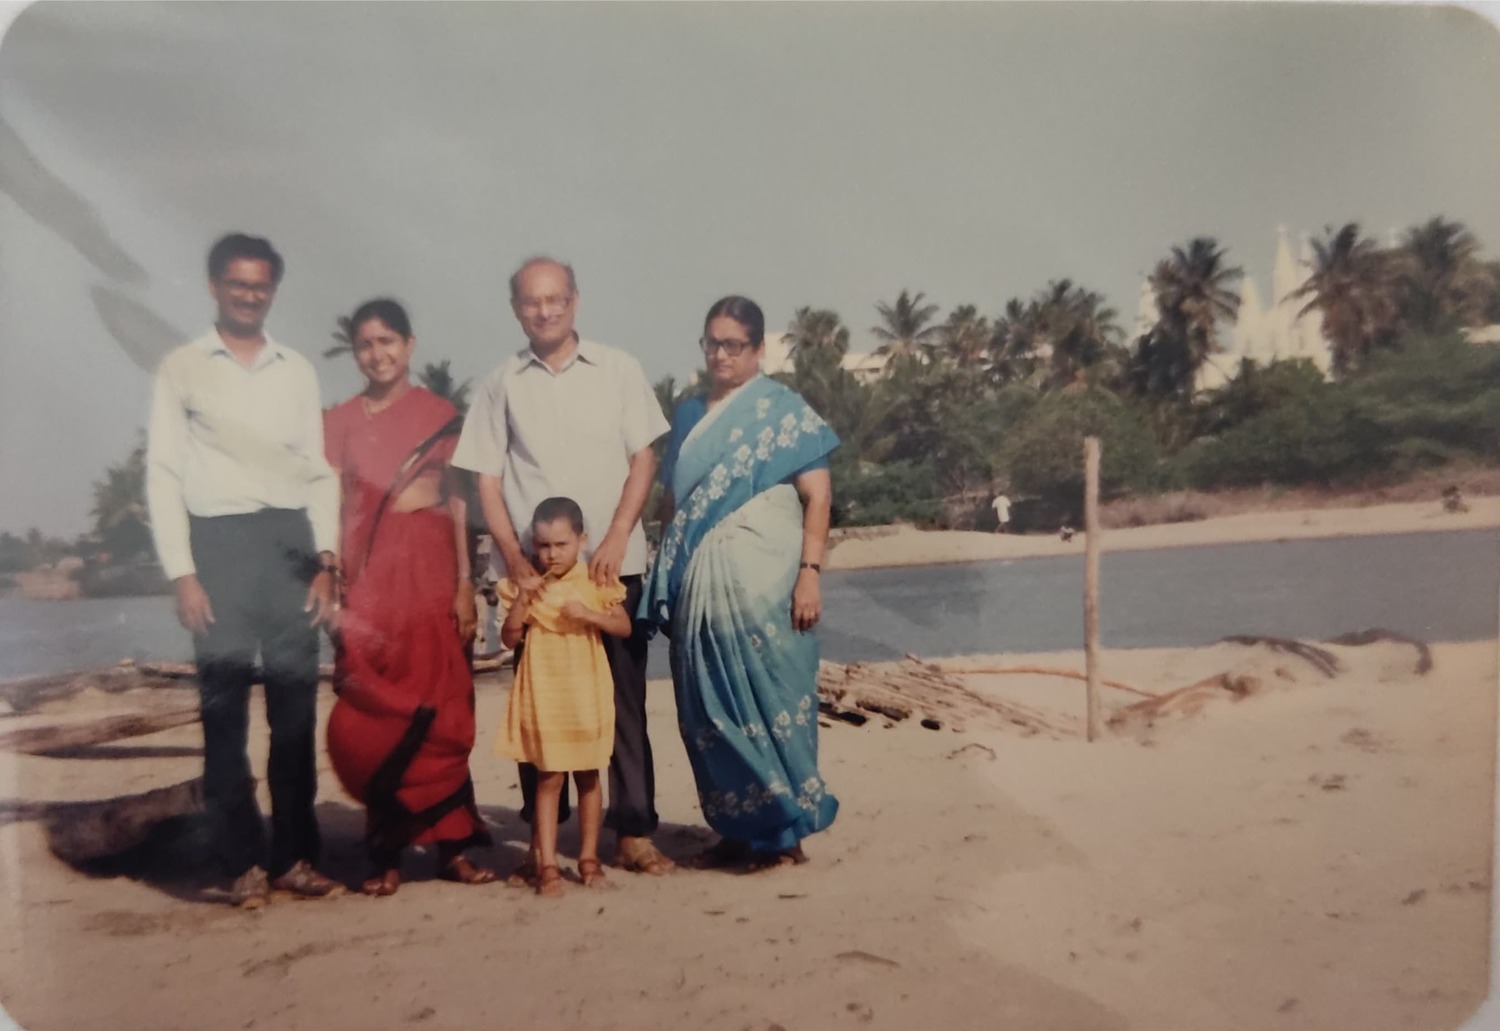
(561, 714)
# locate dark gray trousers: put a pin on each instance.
(256, 569)
(632, 775)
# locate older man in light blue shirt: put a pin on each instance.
(572, 418)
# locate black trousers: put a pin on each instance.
(256, 569)
(632, 776)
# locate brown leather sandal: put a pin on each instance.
(590, 872)
(549, 881)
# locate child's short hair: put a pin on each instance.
(554, 509)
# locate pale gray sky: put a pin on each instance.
(811, 154)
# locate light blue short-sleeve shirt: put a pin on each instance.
(569, 433)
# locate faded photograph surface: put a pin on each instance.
(748, 516)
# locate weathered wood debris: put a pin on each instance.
(899, 691)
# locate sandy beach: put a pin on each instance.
(906, 546)
(1314, 854)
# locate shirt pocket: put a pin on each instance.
(598, 416)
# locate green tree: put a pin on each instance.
(1353, 285)
(121, 522)
(1078, 329)
(1194, 293)
(1444, 283)
(343, 338)
(905, 327)
(963, 341)
(1015, 345)
(438, 378)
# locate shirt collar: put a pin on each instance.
(213, 344)
(588, 352)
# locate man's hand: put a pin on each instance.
(322, 599)
(604, 567)
(807, 601)
(465, 616)
(522, 573)
(193, 609)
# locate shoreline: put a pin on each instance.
(892, 547)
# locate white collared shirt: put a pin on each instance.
(225, 439)
(569, 433)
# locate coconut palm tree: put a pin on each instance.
(963, 341)
(438, 378)
(1079, 330)
(1353, 284)
(1194, 292)
(1014, 346)
(1444, 282)
(344, 338)
(905, 326)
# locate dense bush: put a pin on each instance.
(876, 495)
(1044, 453)
(1427, 404)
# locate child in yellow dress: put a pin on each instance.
(561, 713)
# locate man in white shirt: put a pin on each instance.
(1001, 505)
(568, 417)
(244, 513)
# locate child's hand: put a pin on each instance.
(579, 612)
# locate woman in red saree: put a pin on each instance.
(400, 734)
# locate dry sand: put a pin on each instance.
(905, 546)
(1316, 855)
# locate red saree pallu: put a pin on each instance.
(401, 731)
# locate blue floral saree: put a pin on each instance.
(746, 681)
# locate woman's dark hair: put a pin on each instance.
(386, 310)
(558, 508)
(744, 311)
(238, 245)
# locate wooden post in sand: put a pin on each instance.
(1091, 582)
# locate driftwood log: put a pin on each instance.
(48, 738)
(83, 831)
(900, 691)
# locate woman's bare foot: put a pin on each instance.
(549, 881)
(383, 883)
(590, 872)
(793, 856)
(722, 855)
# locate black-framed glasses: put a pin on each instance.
(733, 348)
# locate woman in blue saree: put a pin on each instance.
(736, 587)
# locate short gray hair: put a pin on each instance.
(541, 259)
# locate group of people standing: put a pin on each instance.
(276, 521)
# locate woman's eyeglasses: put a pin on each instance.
(733, 348)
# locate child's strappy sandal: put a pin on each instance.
(549, 881)
(590, 872)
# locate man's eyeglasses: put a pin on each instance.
(240, 286)
(733, 348)
(555, 302)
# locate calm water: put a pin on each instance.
(1440, 587)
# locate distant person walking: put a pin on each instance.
(244, 513)
(1001, 505)
(568, 417)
